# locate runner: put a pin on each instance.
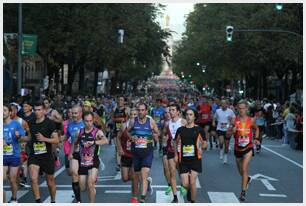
(164, 123)
(12, 134)
(170, 131)
(191, 142)
(241, 127)
(119, 117)
(74, 156)
(143, 129)
(43, 135)
(223, 116)
(23, 146)
(28, 114)
(88, 140)
(258, 112)
(124, 149)
(205, 113)
(157, 114)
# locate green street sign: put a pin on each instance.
(29, 44)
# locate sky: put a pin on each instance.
(177, 13)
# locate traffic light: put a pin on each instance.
(279, 7)
(229, 33)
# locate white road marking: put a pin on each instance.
(257, 177)
(282, 156)
(105, 177)
(267, 184)
(222, 197)
(198, 183)
(118, 191)
(55, 175)
(20, 193)
(62, 196)
(161, 197)
(102, 165)
(102, 186)
(272, 195)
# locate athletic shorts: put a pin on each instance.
(170, 155)
(11, 161)
(84, 170)
(24, 156)
(221, 133)
(46, 164)
(140, 162)
(164, 151)
(241, 154)
(203, 125)
(126, 161)
(187, 166)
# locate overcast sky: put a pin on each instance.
(177, 13)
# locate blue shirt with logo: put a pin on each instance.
(72, 129)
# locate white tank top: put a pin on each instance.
(173, 126)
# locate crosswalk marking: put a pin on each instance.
(20, 193)
(117, 191)
(62, 196)
(222, 197)
(161, 197)
(272, 195)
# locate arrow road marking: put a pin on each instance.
(257, 177)
(267, 184)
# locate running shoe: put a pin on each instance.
(168, 190)
(150, 188)
(183, 191)
(242, 196)
(134, 200)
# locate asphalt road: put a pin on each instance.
(277, 178)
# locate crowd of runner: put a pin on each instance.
(180, 127)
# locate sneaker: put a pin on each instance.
(189, 196)
(221, 154)
(24, 184)
(225, 159)
(183, 191)
(175, 200)
(12, 201)
(150, 188)
(249, 181)
(242, 196)
(168, 190)
(134, 200)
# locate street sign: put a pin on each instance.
(29, 44)
(65, 74)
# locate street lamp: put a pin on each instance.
(279, 7)
(198, 63)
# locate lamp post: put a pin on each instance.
(19, 78)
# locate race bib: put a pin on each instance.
(40, 148)
(8, 149)
(128, 145)
(141, 143)
(243, 141)
(188, 151)
(223, 125)
(86, 160)
(118, 126)
(204, 116)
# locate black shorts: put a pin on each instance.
(46, 163)
(241, 154)
(221, 133)
(76, 156)
(170, 155)
(187, 166)
(84, 170)
(142, 161)
(126, 161)
(164, 151)
(203, 125)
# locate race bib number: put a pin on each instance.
(118, 126)
(8, 149)
(128, 145)
(141, 143)
(188, 151)
(86, 160)
(243, 141)
(223, 125)
(204, 116)
(40, 148)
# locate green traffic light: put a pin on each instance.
(279, 7)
